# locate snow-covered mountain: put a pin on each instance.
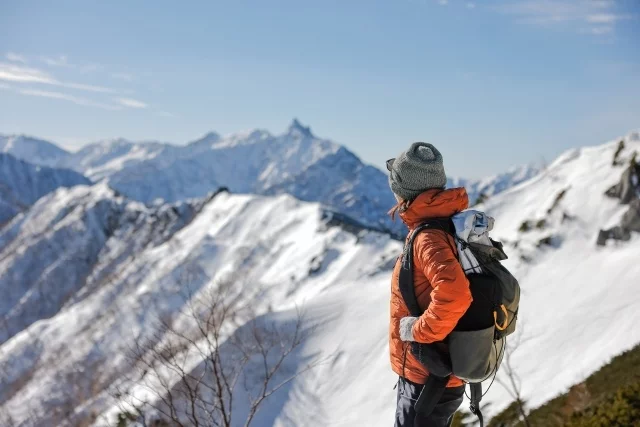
(121, 261)
(481, 189)
(87, 269)
(257, 162)
(21, 184)
(32, 150)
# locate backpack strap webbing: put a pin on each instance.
(437, 363)
(405, 279)
(476, 397)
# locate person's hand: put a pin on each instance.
(406, 328)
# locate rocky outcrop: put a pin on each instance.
(628, 191)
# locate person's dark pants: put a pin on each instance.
(442, 414)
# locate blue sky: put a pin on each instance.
(492, 83)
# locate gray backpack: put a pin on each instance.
(474, 349)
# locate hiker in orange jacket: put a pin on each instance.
(418, 181)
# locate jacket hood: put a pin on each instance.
(435, 203)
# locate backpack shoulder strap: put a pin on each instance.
(444, 224)
(405, 278)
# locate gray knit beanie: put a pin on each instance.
(416, 170)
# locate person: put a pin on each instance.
(418, 181)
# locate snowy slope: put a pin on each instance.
(32, 150)
(21, 184)
(94, 269)
(579, 305)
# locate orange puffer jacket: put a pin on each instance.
(441, 286)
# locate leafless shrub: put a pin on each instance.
(201, 369)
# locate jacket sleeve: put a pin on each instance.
(450, 297)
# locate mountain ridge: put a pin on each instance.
(33, 150)
(258, 162)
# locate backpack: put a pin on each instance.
(473, 351)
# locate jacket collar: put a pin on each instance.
(435, 203)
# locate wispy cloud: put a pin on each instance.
(119, 105)
(471, 5)
(22, 74)
(88, 88)
(443, 2)
(122, 76)
(67, 97)
(17, 72)
(131, 103)
(597, 17)
(14, 57)
(58, 61)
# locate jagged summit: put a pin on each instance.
(298, 129)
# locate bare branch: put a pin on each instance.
(192, 364)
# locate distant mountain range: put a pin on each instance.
(258, 162)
